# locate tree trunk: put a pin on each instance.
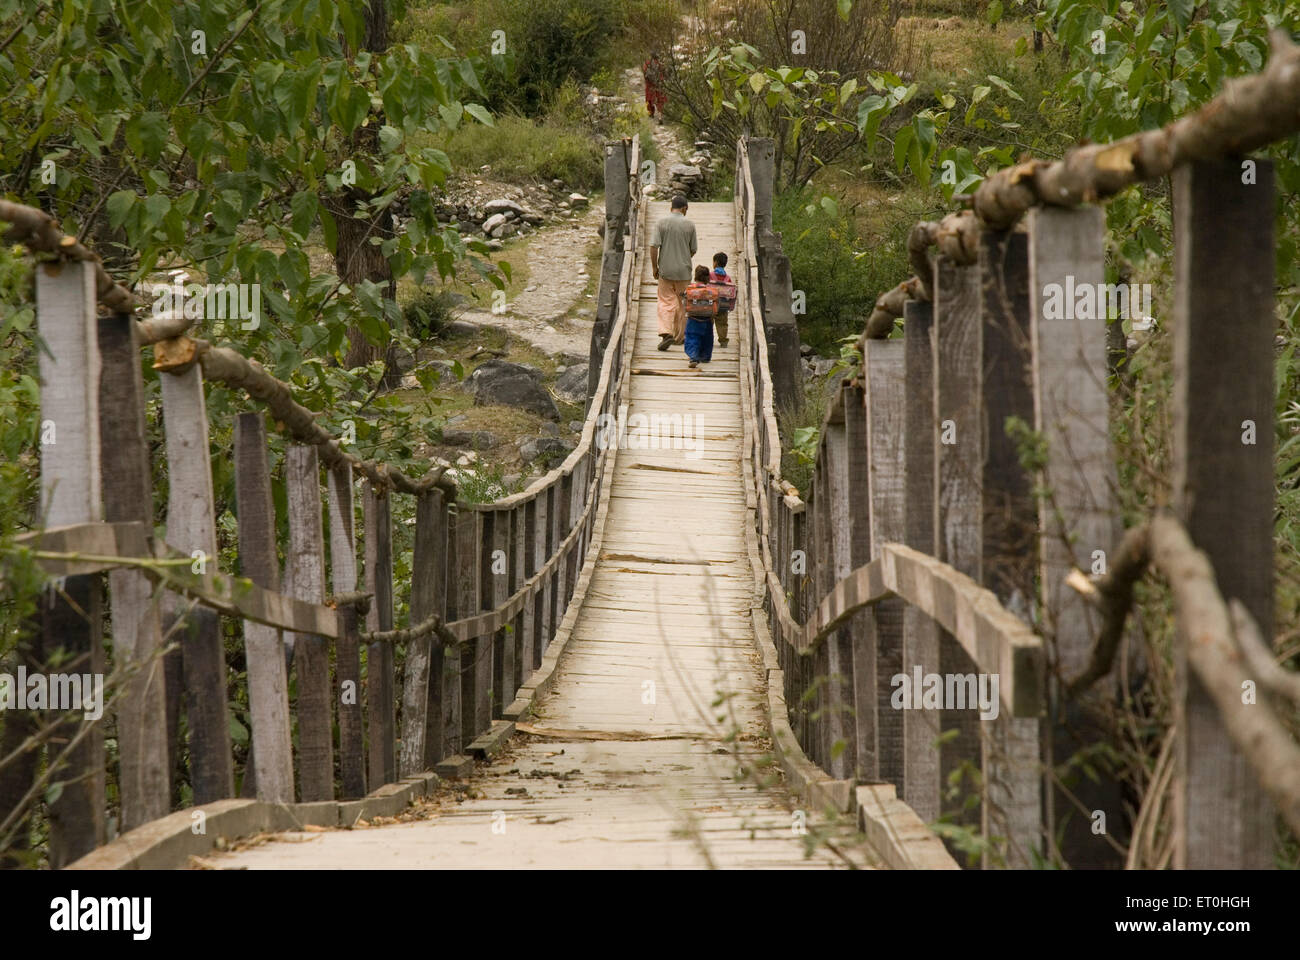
(356, 258)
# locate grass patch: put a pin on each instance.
(519, 150)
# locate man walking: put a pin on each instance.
(671, 251)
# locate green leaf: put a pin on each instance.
(994, 12)
(146, 134)
(303, 205)
(1006, 87)
(845, 8)
(830, 206)
(119, 207)
(480, 113)
(901, 143)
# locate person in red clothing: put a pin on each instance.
(655, 98)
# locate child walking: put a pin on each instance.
(726, 290)
(701, 306)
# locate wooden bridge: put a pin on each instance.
(659, 654)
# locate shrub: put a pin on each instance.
(548, 43)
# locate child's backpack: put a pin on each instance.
(701, 300)
(726, 291)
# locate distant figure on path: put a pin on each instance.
(671, 250)
(655, 98)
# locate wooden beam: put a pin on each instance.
(144, 777)
(380, 682)
(347, 650)
(192, 530)
(268, 688)
(1224, 325)
(920, 633)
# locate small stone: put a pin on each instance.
(578, 200)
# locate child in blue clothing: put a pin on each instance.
(726, 288)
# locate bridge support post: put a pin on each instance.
(618, 199)
(921, 785)
(70, 616)
(1079, 519)
(778, 321)
(347, 656)
(1009, 516)
(305, 580)
(381, 694)
(500, 562)
(841, 726)
(859, 639)
(882, 365)
(958, 451)
(192, 526)
(271, 754)
(145, 781)
(1223, 480)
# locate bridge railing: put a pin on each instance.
(490, 584)
(965, 480)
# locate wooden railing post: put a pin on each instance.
(380, 682)
(885, 396)
(921, 784)
(535, 557)
(1009, 519)
(842, 728)
(304, 578)
(1224, 326)
(854, 493)
(71, 492)
(144, 780)
(347, 651)
(192, 528)
(958, 454)
(497, 591)
(438, 696)
(425, 568)
(521, 546)
(823, 580)
(1078, 516)
(469, 539)
(801, 585)
(268, 688)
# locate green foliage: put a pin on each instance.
(547, 43)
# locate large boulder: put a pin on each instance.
(501, 383)
(572, 384)
(501, 205)
(494, 222)
(531, 450)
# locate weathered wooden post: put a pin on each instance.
(522, 550)
(469, 578)
(436, 721)
(959, 426)
(144, 779)
(425, 568)
(71, 492)
(347, 651)
(1223, 479)
(268, 688)
(841, 734)
(921, 784)
(885, 398)
(304, 578)
(800, 587)
(535, 553)
(822, 581)
(1009, 518)
(192, 529)
(381, 693)
(497, 591)
(1078, 517)
(853, 493)
(617, 207)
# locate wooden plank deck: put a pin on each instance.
(663, 646)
